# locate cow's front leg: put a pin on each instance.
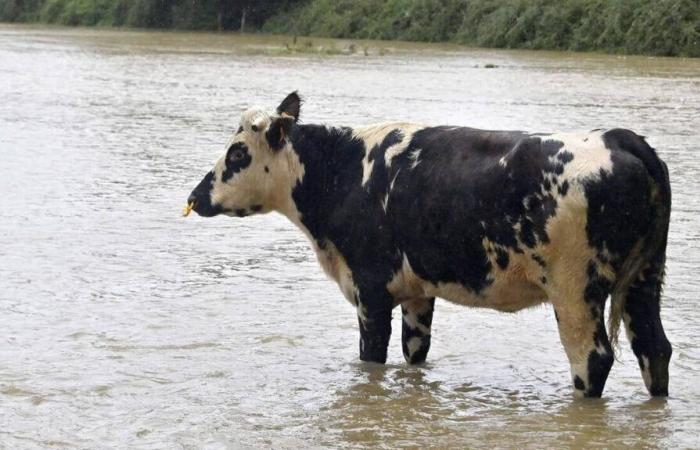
(415, 335)
(374, 314)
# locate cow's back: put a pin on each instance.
(468, 206)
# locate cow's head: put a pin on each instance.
(257, 171)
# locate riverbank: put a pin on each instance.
(647, 27)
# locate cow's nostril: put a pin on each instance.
(191, 203)
(200, 200)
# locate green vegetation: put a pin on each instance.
(654, 27)
(180, 14)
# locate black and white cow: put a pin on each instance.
(401, 213)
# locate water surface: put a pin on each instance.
(126, 326)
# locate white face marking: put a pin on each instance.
(255, 120)
(266, 177)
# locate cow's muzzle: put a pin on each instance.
(199, 200)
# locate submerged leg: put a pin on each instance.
(415, 335)
(374, 315)
(582, 332)
(645, 331)
(588, 349)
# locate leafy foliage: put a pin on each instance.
(655, 27)
(182, 14)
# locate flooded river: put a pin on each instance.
(124, 325)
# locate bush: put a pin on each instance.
(655, 27)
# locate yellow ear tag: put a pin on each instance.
(188, 209)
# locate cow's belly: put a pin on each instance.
(510, 290)
(506, 296)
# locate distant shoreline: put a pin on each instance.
(635, 27)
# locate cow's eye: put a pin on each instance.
(237, 155)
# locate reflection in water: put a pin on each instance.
(398, 405)
(125, 325)
(389, 404)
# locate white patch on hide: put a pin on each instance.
(415, 158)
(411, 320)
(414, 345)
(373, 135)
(385, 201)
(589, 151)
(405, 284)
(334, 265)
(580, 369)
(510, 290)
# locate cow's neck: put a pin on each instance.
(328, 166)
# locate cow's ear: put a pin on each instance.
(290, 106)
(278, 131)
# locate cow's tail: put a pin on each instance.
(651, 249)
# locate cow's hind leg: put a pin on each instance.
(644, 328)
(580, 317)
(415, 336)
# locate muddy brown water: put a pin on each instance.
(124, 325)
